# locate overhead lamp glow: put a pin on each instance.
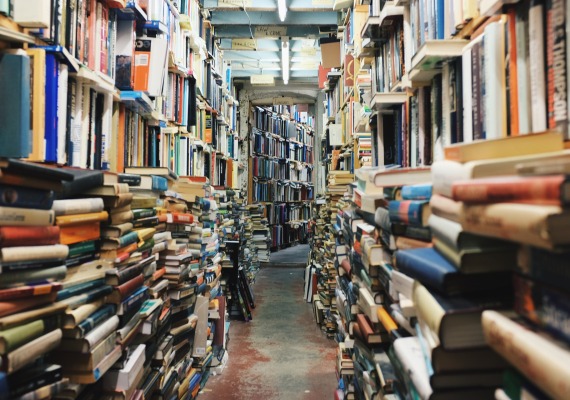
(282, 8)
(285, 60)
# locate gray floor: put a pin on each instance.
(295, 256)
(281, 354)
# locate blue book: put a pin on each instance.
(99, 316)
(420, 191)
(433, 270)
(412, 212)
(79, 289)
(22, 197)
(50, 135)
(159, 183)
(15, 137)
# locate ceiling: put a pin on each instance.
(251, 34)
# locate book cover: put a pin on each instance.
(12, 216)
(538, 356)
(412, 212)
(28, 235)
(430, 268)
(15, 136)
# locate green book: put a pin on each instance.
(15, 337)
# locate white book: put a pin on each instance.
(445, 106)
(62, 81)
(409, 352)
(124, 378)
(523, 75)
(77, 206)
(32, 13)
(495, 101)
(537, 67)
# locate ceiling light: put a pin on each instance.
(282, 8)
(285, 60)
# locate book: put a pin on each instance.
(78, 206)
(158, 171)
(12, 216)
(29, 290)
(430, 268)
(28, 235)
(456, 320)
(525, 223)
(73, 361)
(15, 136)
(401, 176)
(26, 354)
(77, 219)
(505, 147)
(412, 212)
(537, 355)
(100, 369)
(93, 338)
(23, 197)
(545, 190)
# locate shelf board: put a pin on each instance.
(63, 55)
(98, 81)
(380, 27)
(138, 102)
(131, 12)
(155, 26)
(490, 7)
(428, 60)
(383, 101)
(10, 35)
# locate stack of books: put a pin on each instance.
(33, 266)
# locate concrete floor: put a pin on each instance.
(281, 354)
(295, 256)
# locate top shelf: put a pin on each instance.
(428, 60)
(379, 28)
(490, 7)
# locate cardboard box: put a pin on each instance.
(330, 52)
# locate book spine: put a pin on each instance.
(74, 317)
(78, 206)
(22, 197)
(557, 69)
(406, 211)
(48, 274)
(30, 351)
(129, 287)
(22, 236)
(416, 192)
(544, 189)
(34, 253)
(543, 305)
(89, 323)
(78, 289)
(88, 297)
(545, 266)
(12, 216)
(536, 62)
(533, 354)
(77, 219)
(129, 238)
(143, 213)
(102, 331)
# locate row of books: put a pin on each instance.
(105, 275)
(280, 169)
(278, 214)
(284, 191)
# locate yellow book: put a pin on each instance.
(64, 220)
(37, 121)
(505, 147)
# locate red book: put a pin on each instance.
(545, 190)
(28, 235)
(121, 292)
(345, 265)
(29, 291)
(180, 218)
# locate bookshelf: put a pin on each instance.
(440, 79)
(131, 265)
(282, 143)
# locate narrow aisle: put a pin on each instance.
(281, 354)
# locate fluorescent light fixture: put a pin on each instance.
(282, 8)
(285, 60)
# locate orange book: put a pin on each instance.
(513, 77)
(121, 139)
(76, 233)
(75, 219)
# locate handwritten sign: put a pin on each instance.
(235, 3)
(244, 44)
(270, 31)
